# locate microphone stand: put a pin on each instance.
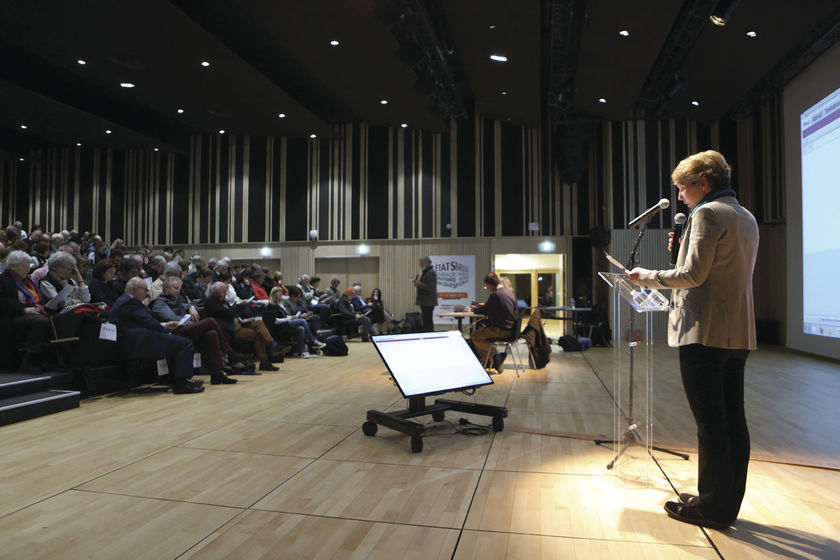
(631, 435)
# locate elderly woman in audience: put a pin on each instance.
(101, 289)
(21, 310)
(63, 272)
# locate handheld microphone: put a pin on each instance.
(679, 220)
(650, 212)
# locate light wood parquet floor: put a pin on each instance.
(276, 466)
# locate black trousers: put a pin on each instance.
(426, 317)
(713, 379)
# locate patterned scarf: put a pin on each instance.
(31, 295)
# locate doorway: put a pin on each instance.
(537, 280)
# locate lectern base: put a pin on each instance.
(398, 420)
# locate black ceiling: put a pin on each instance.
(428, 58)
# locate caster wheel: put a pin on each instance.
(437, 416)
(369, 428)
(498, 424)
(416, 444)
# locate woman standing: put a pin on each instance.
(712, 322)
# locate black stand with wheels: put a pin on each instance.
(398, 420)
(631, 436)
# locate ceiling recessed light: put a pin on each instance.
(157, 149)
(601, 100)
(504, 93)
(78, 144)
(21, 159)
(498, 58)
(313, 136)
(752, 34)
(24, 127)
(281, 116)
(404, 125)
(81, 62)
(222, 131)
(107, 132)
(624, 33)
(180, 111)
(492, 27)
(695, 103)
(126, 84)
(205, 63)
(334, 43)
(383, 101)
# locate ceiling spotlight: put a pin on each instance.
(498, 58)
(281, 116)
(81, 62)
(205, 63)
(313, 136)
(723, 11)
(404, 125)
(180, 111)
(334, 43)
(383, 102)
(107, 132)
(157, 149)
(21, 159)
(602, 100)
(78, 144)
(752, 34)
(492, 27)
(128, 85)
(24, 127)
(222, 131)
(504, 93)
(695, 103)
(624, 33)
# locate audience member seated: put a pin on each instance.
(205, 334)
(309, 295)
(500, 311)
(21, 311)
(171, 269)
(277, 278)
(101, 288)
(296, 307)
(145, 338)
(361, 306)
(349, 317)
(332, 293)
(258, 285)
(126, 270)
(281, 325)
(253, 332)
(155, 266)
(377, 314)
(63, 272)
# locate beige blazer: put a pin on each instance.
(712, 299)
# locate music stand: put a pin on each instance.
(427, 364)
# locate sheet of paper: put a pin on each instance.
(108, 331)
(60, 298)
(185, 320)
(615, 262)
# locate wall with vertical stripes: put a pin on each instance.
(483, 177)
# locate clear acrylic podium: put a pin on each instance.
(632, 320)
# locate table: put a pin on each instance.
(460, 316)
(573, 317)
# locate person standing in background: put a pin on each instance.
(426, 284)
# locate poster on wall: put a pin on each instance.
(455, 284)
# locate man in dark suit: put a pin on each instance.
(145, 337)
(426, 284)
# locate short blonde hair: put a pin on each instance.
(710, 164)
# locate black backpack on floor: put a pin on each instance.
(412, 323)
(335, 346)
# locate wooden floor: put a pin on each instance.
(276, 466)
